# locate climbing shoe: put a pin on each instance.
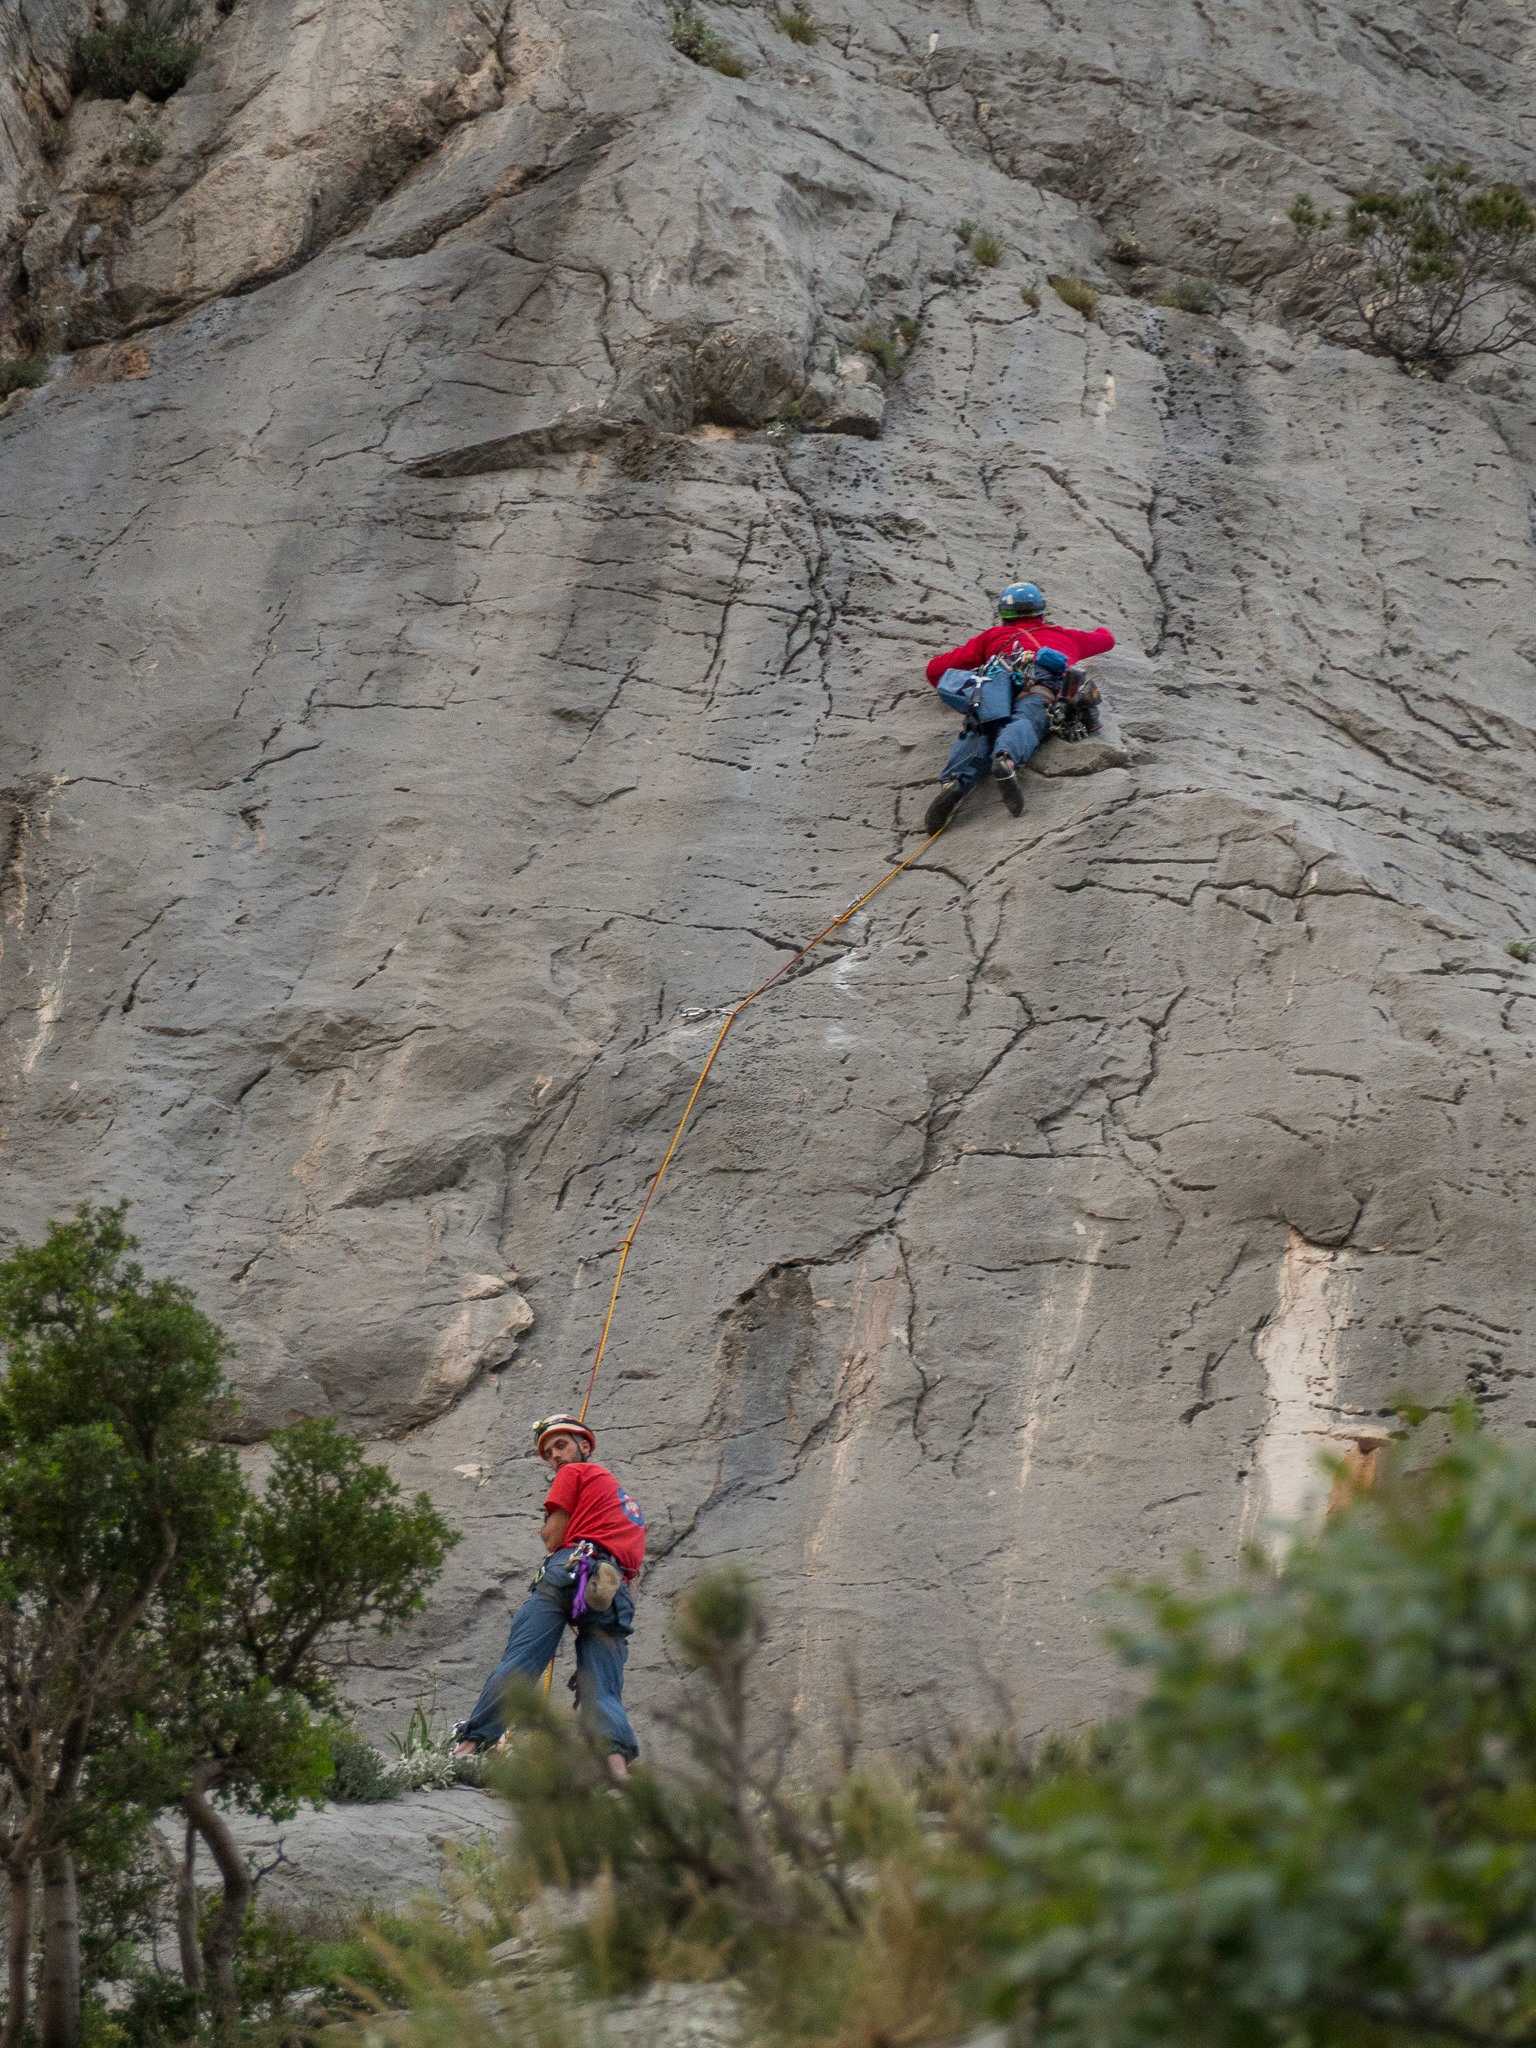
(1006, 778)
(943, 807)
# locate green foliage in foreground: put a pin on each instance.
(168, 1636)
(1320, 1825)
(1317, 1830)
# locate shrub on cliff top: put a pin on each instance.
(148, 52)
(1430, 277)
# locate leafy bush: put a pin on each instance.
(1192, 295)
(363, 1775)
(427, 1767)
(695, 39)
(1317, 1828)
(797, 22)
(22, 373)
(1077, 293)
(1523, 950)
(1127, 250)
(1430, 277)
(986, 249)
(146, 52)
(149, 2009)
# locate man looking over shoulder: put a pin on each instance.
(594, 1540)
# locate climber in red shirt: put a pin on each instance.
(594, 1540)
(1007, 734)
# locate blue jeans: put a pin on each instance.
(971, 755)
(602, 1646)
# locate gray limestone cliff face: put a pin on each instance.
(439, 678)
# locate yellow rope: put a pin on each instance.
(682, 1123)
(667, 1157)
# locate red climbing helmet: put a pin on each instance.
(563, 1425)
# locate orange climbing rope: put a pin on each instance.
(682, 1123)
(667, 1157)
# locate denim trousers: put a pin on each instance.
(971, 755)
(602, 1648)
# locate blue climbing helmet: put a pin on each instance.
(1022, 601)
(1051, 662)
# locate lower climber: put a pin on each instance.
(1025, 673)
(594, 1539)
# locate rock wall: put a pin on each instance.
(464, 595)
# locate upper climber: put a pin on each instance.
(594, 1537)
(1022, 624)
(1025, 668)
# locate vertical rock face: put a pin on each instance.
(442, 678)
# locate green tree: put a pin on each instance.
(166, 1634)
(111, 1494)
(1430, 277)
(1318, 1830)
(329, 1548)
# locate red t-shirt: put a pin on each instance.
(600, 1511)
(1029, 634)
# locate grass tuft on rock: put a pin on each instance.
(890, 350)
(1192, 295)
(22, 373)
(1075, 292)
(1030, 296)
(798, 23)
(986, 249)
(693, 38)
